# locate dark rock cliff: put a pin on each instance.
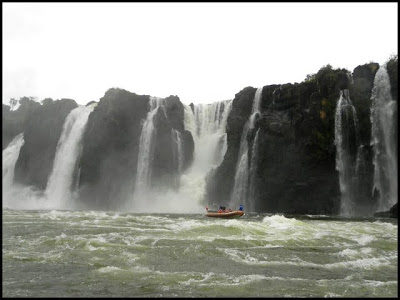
(360, 94)
(220, 180)
(14, 121)
(110, 145)
(111, 141)
(42, 130)
(165, 165)
(296, 153)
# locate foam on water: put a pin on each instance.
(198, 256)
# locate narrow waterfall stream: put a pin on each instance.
(240, 192)
(59, 184)
(10, 156)
(346, 141)
(384, 141)
(146, 149)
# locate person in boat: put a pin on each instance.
(222, 209)
(241, 207)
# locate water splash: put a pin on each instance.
(384, 141)
(59, 184)
(346, 140)
(240, 192)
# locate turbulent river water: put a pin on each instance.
(90, 253)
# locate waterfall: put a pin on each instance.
(178, 149)
(10, 156)
(59, 184)
(240, 191)
(189, 121)
(146, 148)
(209, 134)
(346, 141)
(384, 141)
(17, 196)
(253, 175)
(207, 125)
(178, 154)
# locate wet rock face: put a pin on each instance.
(295, 171)
(393, 212)
(220, 181)
(110, 147)
(108, 164)
(360, 94)
(14, 121)
(188, 148)
(42, 130)
(165, 166)
(392, 68)
(296, 168)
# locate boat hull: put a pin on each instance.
(231, 214)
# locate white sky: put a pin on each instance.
(201, 52)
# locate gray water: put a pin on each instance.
(92, 253)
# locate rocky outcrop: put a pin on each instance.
(360, 93)
(391, 213)
(42, 130)
(295, 170)
(109, 158)
(14, 120)
(220, 180)
(164, 166)
(392, 68)
(110, 145)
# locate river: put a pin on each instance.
(54, 253)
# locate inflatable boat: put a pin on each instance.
(225, 214)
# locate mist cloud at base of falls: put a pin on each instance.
(17, 196)
(59, 193)
(207, 123)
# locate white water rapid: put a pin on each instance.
(384, 141)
